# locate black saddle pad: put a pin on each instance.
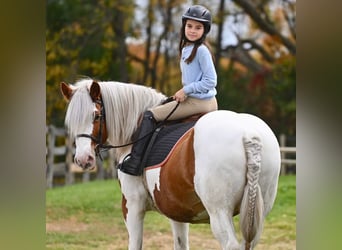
(165, 140)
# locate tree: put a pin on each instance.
(260, 76)
(255, 75)
(84, 38)
(160, 44)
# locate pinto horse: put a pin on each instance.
(227, 164)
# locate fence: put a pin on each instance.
(60, 166)
(288, 156)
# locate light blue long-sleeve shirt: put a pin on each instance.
(199, 77)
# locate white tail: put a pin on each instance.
(252, 205)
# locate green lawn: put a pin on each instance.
(88, 216)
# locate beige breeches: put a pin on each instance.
(187, 108)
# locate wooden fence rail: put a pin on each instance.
(59, 160)
(60, 151)
(288, 155)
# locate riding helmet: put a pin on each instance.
(198, 13)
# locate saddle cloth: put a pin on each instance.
(165, 140)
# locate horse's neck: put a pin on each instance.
(124, 103)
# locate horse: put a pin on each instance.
(228, 164)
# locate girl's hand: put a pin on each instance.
(179, 96)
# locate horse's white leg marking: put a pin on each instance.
(136, 196)
(134, 224)
(180, 233)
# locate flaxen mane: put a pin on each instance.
(80, 109)
(124, 100)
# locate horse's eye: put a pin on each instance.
(97, 117)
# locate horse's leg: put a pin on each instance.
(222, 226)
(180, 233)
(219, 189)
(133, 208)
(134, 224)
(219, 204)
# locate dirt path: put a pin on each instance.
(152, 240)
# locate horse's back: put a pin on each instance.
(220, 157)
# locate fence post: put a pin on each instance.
(70, 176)
(49, 167)
(282, 141)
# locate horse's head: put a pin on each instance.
(85, 120)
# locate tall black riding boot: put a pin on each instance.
(132, 164)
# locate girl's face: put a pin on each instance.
(193, 30)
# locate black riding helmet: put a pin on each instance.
(198, 13)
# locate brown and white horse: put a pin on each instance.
(228, 164)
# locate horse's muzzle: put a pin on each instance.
(87, 163)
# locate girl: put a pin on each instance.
(198, 79)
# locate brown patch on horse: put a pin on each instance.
(124, 207)
(177, 198)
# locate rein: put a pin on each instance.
(100, 147)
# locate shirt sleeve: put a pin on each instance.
(208, 80)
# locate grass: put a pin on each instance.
(88, 216)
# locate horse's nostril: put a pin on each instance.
(90, 158)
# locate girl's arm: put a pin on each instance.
(209, 77)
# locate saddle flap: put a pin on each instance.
(165, 140)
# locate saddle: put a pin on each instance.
(164, 139)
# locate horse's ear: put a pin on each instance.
(66, 91)
(95, 91)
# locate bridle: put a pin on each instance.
(101, 147)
